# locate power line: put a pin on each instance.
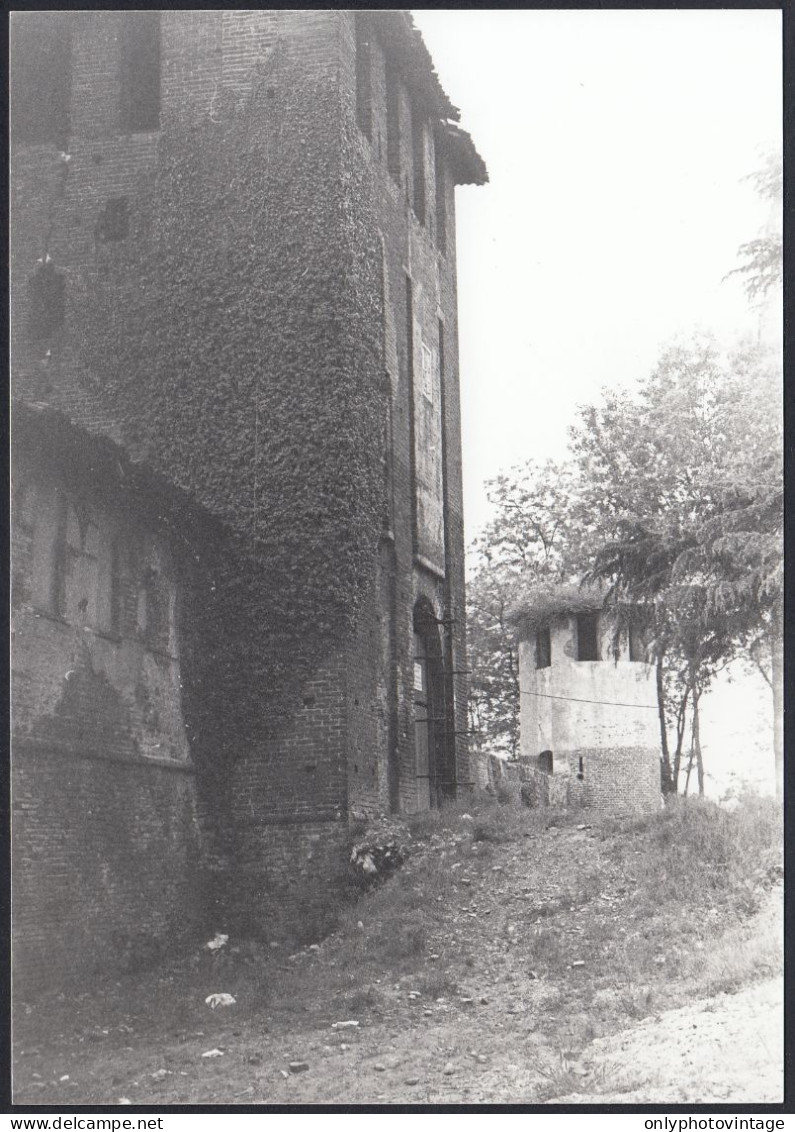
(577, 700)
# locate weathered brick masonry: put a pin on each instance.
(255, 257)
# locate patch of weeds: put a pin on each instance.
(749, 951)
(543, 947)
(508, 794)
(636, 1002)
(424, 825)
(564, 1081)
(362, 999)
(696, 853)
(500, 827)
(488, 829)
(437, 984)
(395, 940)
(560, 1080)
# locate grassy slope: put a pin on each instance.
(460, 970)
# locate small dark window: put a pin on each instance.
(587, 636)
(543, 648)
(40, 77)
(364, 95)
(545, 762)
(581, 768)
(393, 123)
(441, 199)
(139, 39)
(418, 146)
(113, 222)
(46, 302)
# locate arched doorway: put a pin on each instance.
(430, 712)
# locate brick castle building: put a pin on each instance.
(238, 554)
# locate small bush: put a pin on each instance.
(488, 829)
(379, 850)
(361, 999)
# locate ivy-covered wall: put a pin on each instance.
(239, 339)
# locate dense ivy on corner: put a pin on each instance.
(236, 337)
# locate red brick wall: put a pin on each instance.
(106, 846)
(410, 250)
(293, 778)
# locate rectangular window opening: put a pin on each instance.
(581, 768)
(588, 636)
(364, 94)
(543, 648)
(140, 70)
(441, 199)
(411, 407)
(40, 60)
(418, 148)
(393, 123)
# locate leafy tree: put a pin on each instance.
(762, 270)
(690, 476)
(528, 539)
(673, 495)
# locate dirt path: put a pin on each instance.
(537, 962)
(727, 1049)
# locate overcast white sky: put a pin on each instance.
(617, 143)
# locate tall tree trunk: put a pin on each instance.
(681, 717)
(697, 745)
(514, 735)
(667, 783)
(689, 768)
(777, 657)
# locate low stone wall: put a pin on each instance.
(620, 780)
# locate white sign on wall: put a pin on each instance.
(428, 371)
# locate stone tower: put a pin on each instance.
(589, 723)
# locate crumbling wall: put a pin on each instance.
(106, 853)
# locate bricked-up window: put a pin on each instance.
(441, 199)
(543, 648)
(418, 149)
(76, 580)
(46, 302)
(155, 600)
(588, 636)
(139, 43)
(40, 51)
(411, 408)
(364, 91)
(393, 122)
(113, 222)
